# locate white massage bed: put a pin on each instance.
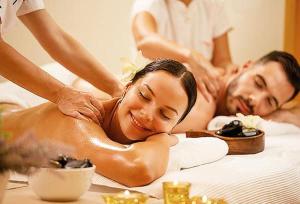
(272, 176)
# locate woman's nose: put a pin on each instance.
(147, 114)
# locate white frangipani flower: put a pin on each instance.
(130, 68)
(249, 121)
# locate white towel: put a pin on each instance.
(191, 152)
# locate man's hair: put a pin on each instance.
(178, 70)
(290, 67)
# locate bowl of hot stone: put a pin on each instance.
(67, 180)
(240, 139)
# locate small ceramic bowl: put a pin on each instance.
(61, 184)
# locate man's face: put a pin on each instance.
(259, 90)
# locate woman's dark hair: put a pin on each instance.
(290, 67)
(178, 70)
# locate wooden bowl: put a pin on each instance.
(237, 145)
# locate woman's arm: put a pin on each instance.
(16, 68)
(154, 46)
(221, 54)
(66, 50)
(136, 165)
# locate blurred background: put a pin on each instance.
(103, 27)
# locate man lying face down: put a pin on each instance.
(131, 146)
(259, 88)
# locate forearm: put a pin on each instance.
(67, 51)
(21, 71)
(135, 165)
(77, 59)
(154, 46)
(286, 116)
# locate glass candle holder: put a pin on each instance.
(176, 192)
(206, 200)
(125, 198)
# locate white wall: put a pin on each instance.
(102, 26)
(258, 27)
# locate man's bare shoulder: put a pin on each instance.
(200, 115)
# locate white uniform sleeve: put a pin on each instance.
(221, 22)
(154, 7)
(29, 6)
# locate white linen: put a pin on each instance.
(192, 152)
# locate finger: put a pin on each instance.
(89, 104)
(98, 105)
(78, 116)
(202, 88)
(90, 114)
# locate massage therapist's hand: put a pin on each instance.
(80, 105)
(206, 75)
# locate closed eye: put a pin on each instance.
(272, 102)
(258, 83)
(164, 116)
(143, 96)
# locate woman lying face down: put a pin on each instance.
(132, 144)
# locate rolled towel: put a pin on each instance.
(191, 152)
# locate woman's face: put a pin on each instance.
(153, 104)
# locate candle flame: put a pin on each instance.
(126, 192)
(204, 199)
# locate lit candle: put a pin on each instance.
(205, 200)
(125, 198)
(176, 192)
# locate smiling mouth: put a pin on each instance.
(137, 124)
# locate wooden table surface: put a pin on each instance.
(21, 193)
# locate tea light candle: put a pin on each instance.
(176, 192)
(125, 198)
(205, 200)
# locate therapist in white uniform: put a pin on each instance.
(191, 31)
(61, 47)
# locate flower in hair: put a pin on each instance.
(130, 68)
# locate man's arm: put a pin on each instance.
(286, 115)
(67, 51)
